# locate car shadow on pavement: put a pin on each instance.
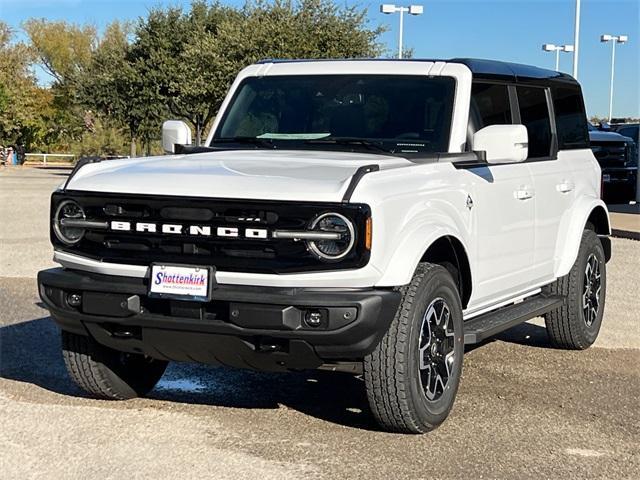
(525, 334)
(30, 353)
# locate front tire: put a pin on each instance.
(106, 373)
(412, 376)
(575, 325)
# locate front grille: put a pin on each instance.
(610, 154)
(254, 255)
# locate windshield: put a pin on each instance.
(387, 112)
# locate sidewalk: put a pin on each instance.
(625, 221)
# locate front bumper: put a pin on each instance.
(262, 328)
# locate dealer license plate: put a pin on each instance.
(181, 282)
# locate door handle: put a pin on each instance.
(565, 187)
(523, 193)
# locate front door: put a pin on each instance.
(503, 207)
(503, 213)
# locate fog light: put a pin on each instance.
(313, 318)
(74, 299)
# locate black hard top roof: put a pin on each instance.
(481, 69)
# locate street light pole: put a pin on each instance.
(411, 10)
(576, 40)
(613, 69)
(400, 33)
(613, 39)
(550, 47)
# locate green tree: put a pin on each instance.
(117, 85)
(102, 138)
(191, 58)
(24, 106)
(200, 77)
(174, 62)
(64, 50)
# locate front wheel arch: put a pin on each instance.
(449, 252)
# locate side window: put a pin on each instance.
(489, 105)
(571, 119)
(534, 114)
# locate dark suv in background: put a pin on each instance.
(618, 159)
(628, 130)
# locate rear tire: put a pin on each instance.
(575, 325)
(413, 374)
(107, 373)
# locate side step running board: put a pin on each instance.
(480, 328)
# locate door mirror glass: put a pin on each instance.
(502, 143)
(175, 132)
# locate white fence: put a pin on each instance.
(67, 157)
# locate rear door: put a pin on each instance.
(558, 141)
(502, 207)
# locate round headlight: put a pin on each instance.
(333, 249)
(68, 210)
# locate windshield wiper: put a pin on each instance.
(259, 142)
(348, 141)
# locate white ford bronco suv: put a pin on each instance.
(361, 215)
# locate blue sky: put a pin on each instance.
(512, 30)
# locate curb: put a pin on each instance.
(39, 165)
(628, 234)
(48, 165)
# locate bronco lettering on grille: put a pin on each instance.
(195, 230)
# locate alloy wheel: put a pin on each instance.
(436, 349)
(591, 291)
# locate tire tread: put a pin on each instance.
(563, 324)
(384, 367)
(83, 369)
(94, 369)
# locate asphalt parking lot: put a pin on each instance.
(524, 410)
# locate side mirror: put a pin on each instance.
(502, 143)
(175, 132)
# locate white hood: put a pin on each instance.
(249, 174)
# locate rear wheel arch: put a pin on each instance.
(588, 213)
(450, 253)
(599, 219)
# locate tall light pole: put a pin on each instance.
(550, 47)
(576, 40)
(411, 10)
(613, 39)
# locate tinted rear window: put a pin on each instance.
(571, 119)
